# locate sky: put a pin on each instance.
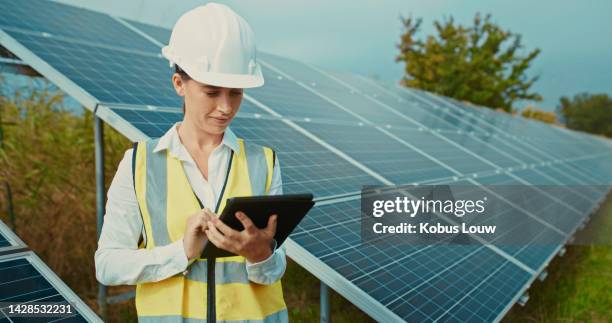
(361, 35)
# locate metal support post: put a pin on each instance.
(100, 200)
(324, 295)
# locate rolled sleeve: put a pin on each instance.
(269, 270)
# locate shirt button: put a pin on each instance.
(185, 272)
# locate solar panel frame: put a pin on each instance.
(9, 241)
(55, 281)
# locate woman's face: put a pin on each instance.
(209, 108)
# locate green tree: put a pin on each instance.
(588, 112)
(479, 64)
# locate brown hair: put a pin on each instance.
(184, 77)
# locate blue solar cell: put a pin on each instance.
(286, 97)
(426, 112)
(25, 280)
(379, 152)
(69, 23)
(443, 149)
(541, 202)
(581, 200)
(334, 87)
(4, 241)
(110, 75)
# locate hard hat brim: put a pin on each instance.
(236, 81)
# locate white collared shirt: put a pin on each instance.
(118, 259)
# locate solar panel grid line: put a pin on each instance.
(558, 171)
(340, 283)
(451, 108)
(430, 278)
(442, 110)
(324, 144)
(435, 133)
(579, 174)
(433, 293)
(402, 115)
(543, 267)
(467, 150)
(487, 115)
(450, 308)
(52, 279)
(85, 24)
(486, 126)
(530, 147)
(476, 237)
(536, 178)
(492, 146)
(340, 106)
(477, 138)
(160, 34)
(138, 31)
(47, 70)
(140, 77)
(309, 230)
(394, 262)
(411, 146)
(80, 42)
(356, 194)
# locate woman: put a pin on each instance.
(165, 188)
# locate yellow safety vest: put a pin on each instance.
(166, 200)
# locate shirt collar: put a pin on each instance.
(171, 141)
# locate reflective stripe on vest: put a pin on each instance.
(166, 201)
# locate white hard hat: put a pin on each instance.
(215, 46)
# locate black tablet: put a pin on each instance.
(291, 209)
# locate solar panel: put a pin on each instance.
(25, 279)
(335, 132)
(111, 75)
(417, 283)
(55, 20)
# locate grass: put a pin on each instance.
(579, 284)
(301, 291)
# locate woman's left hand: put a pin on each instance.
(252, 243)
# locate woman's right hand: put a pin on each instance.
(195, 236)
